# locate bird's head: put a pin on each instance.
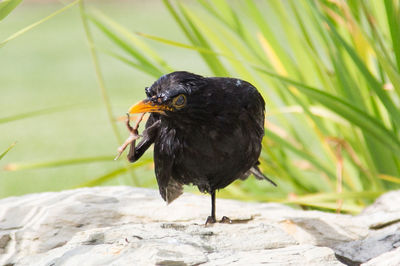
(171, 94)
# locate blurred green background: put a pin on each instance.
(329, 71)
(50, 66)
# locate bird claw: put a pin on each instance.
(210, 220)
(225, 220)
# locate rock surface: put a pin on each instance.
(133, 226)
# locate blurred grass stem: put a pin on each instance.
(100, 79)
(22, 31)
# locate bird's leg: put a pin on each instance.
(211, 219)
(133, 136)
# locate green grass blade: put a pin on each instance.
(99, 75)
(100, 78)
(315, 110)
(7, 150)
(335, 196)
(179, 21)
(223, 40)
(144, 55)
(104, 178)
(213, 62)
(374, 84)
(389, 178)
(178, 44)
(347, 86)
(198, 49)
(115, 173)
(349, 112)
(392, 14)
(127, 48)
(385, 63)
(260, 19)
(328, 200)
(196, 45)
(34, 113)
(144, 68)
(196, 38)
(222, 11)
(22, 31)
(6, 6)
(142, 46)
(301, 153)
(333, 206)
(57, 163)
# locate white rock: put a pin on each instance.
(385, 211)
(391, 258)
(133, 226)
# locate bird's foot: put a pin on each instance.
(225, 220)
(210, 220)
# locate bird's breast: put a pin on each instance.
(209, 156)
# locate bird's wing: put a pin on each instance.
(164, 156)
(149, 135)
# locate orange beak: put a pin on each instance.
(148, 106)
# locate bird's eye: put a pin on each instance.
(179, 101)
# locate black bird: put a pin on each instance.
(206, 132)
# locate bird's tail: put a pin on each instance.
(257, 173)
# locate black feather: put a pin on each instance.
(210, 142)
